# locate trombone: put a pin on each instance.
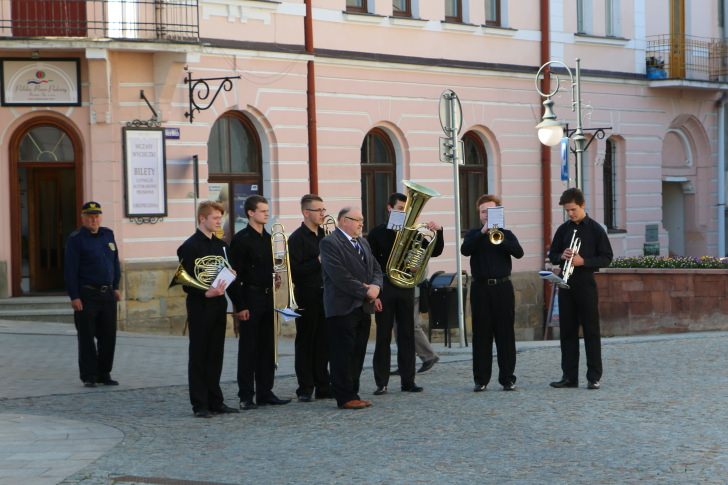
(574, 245)
(329, 224)
(281, 274)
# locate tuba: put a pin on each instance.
(575, 245)
(414, 243)
(329, 224)
(206, 270)
(283, 297)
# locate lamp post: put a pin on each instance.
(551, 131)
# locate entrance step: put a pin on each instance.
(51, 309)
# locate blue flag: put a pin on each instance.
(565, 159)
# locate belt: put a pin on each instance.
(261, 289)
(492, 281)
(99, 288)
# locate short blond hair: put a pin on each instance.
(207, 207)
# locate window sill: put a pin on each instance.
(408, 21)
(600, 40)
(458, 26)
(499, 30)
(364, 18)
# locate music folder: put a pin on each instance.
(549, 276)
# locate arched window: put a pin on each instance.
(473, 179)
(235, 166)
(377, 176)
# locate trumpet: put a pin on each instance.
(281, 274)
(329, 224)
(495, 235)
(575, 245)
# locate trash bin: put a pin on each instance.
(443, 303)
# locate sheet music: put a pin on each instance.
(396, 220)
(496, 216)
(288, 314)
(549, 276)
(224, 275)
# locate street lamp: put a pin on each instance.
(551, 131)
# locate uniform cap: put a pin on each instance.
(91, 207)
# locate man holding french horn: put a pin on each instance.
(492, 297)
(583, 244)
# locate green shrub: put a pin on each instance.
(682, 262)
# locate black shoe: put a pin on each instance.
(305, 398)
(564, 383)
(412, 388)
(225, 410)
(203, 413)
(107, 382)
(511, 386)
(427, 365)
(394, 372)
(248, 405)
(479, 388)
(594, 385)
(273, 400)
(89, 384)
(380, 391)
(323, 395)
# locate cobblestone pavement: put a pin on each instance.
(660, 417)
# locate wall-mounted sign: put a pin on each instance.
(36, 82)
(171, 133)
(145, 173)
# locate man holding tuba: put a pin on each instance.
(578, 305)
(396, 304)
(201, 257)
(312, 355)
(252, 258)
(492, 298)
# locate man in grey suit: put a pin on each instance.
(352, 281)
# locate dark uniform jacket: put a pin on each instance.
(303, 246)
(489, 260)
(251, 255)
(595, 247)
(197, 246)
(382, 239)
(91, 259)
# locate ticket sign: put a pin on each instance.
(145, 174)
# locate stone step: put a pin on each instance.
(37, 308)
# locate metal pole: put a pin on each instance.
(457, 154)
(579, 139)
(195, 185)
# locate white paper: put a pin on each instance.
(496, 217)
(288, 314)
(549, 276)
(224, 275)
(396, 220)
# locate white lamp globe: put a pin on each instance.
(550, 134)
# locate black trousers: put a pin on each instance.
(256, 354)
(207, 321)
(579, 306)
(312, 352)
(397, 306)
(348, 336)
(493, 310)
(96, 330)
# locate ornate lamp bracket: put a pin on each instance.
(152, 122)
(199, 90)
(599, 133)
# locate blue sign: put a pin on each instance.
(171, 133)
(565, 159)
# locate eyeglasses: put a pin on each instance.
(321, 210)
(355, 219)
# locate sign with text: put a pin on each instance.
(145, 174)
(40, 82)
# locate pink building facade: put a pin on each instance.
(341, 97)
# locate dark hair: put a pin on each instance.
(396, 197)
(207, 207)
(251, 203)
(487, 198)
(343, 212)
(572, 195)
(308, 198)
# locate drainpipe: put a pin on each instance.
(545, 50)
(311, 101)
(721, 176)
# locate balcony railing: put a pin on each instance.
(147, 20)
(686, 57)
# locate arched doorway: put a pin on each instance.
(45, 160)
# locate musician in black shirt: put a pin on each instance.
(492, 299)
(312, 356)
(579, 305)
(251, 255)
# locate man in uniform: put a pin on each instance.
(206, 313)
(252, 258)
(312, 355)
(397, 304)
(579, 305)
(92, 274)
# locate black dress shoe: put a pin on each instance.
(248, 405)
(203, 413)
(225, 410)
(380, 391)
(479, 388)
(107, 382)
(412, 388)
(594, 385)
(427, 365)
(564, 383)
(509, 387)
(273, 400)
(305, 398)
(89, 384)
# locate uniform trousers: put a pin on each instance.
(397, 306)
(578, 306)
(312, 352)
(348, 335)
(493, 308)
(207, 321)
(256, 353)
(96, 330)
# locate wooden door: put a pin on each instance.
(49, 18)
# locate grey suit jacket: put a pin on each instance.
(344, 274)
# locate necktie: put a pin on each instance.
(358, 248)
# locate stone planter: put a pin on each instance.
(648, 301)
